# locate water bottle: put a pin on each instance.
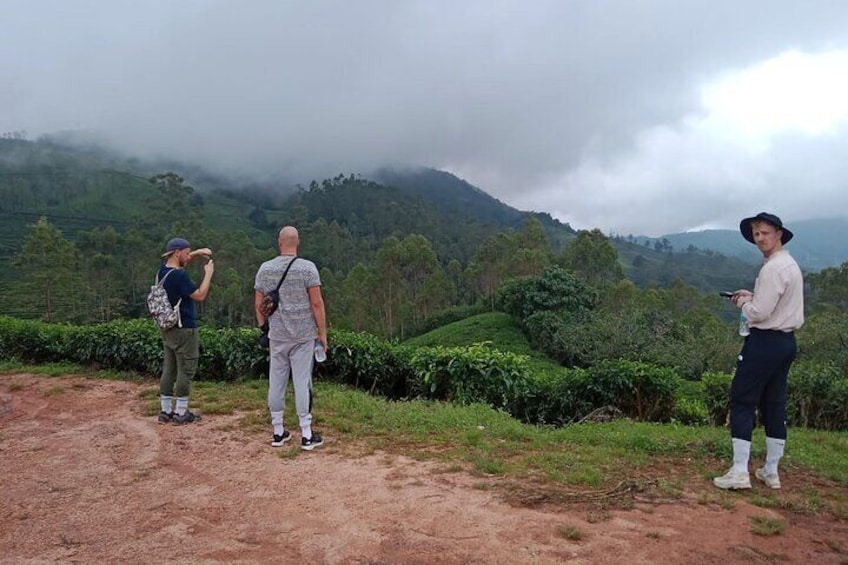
(743, 324)
(320, 354)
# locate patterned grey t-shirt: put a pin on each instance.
(293, 321)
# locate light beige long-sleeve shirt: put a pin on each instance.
(778, 302)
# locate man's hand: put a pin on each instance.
(742, 296)
(202, 252)
(323, 340)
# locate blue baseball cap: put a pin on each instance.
(176, 244)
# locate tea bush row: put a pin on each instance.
(818, 392)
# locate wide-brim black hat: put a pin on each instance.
(748, 231)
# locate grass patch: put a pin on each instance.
(495, 327)
(487, 442)
(571, 533)
(12, 366)
(764, 526)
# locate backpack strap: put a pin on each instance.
(165, 277)
(279, 284)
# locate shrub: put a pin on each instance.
(818, 396)
(555, 399)
(689, 411)
(641, 391)
(823, 339)
(555, 289)
(717, 396)
(134, 345)
(477, 373)
(231, 354)
(32, 341)
(366, 362)
(689, 405)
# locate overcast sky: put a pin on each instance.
(633, 116)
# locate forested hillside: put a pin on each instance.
(393, 253)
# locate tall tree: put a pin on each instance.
(106, 273)
(171, 208)
(50, 275)
(389, 284)
(593, 258)
(361, 309)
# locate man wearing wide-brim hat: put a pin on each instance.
(773, 311)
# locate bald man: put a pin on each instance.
(294, 328)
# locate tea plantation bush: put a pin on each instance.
(818, 392)
(639, 391)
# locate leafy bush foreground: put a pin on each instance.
(469, 374)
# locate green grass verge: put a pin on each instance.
(490, 443)
(493, 443)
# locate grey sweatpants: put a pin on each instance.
(293, 359)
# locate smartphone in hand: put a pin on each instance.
(726, 294)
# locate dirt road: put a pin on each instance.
(87, 478)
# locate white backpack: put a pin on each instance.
(166, 315)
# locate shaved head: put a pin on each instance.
(288, 240)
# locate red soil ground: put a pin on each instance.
(87, 478)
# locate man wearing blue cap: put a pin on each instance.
(774, 311)
(181, 343)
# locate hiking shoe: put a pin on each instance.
(187, 418)
(281, 439)
(166, 417)
(311, 443)
(733, 481)
(771, 480)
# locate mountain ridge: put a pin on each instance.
(818, 243)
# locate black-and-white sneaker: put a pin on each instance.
(166, 417)
(281, 439)
(187, 418)
(311, 443)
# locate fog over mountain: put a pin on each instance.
(635, 117)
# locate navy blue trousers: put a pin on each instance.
(760, 383)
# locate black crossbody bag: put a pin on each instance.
(269, 305)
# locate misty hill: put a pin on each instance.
(454, 195)
(817, 243)
(85, 188)
(80, 188)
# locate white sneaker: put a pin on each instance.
(733, 481)
(771, 480)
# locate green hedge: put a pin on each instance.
(640, 391)
(818, 396)
(134, 345)
(717, 396)
(818, 392)
(366, 362)
(476, 373)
